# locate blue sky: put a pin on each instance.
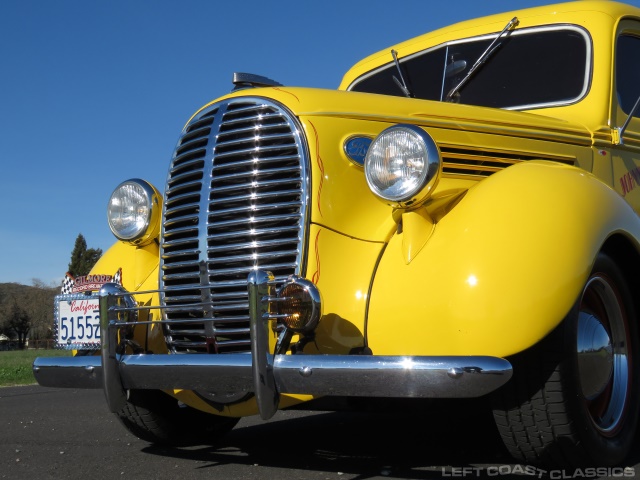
(96, 92)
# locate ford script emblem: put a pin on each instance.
(356, 149)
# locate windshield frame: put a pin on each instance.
(587, 74)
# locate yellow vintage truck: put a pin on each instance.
(459, 219)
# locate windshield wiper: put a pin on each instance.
(484, 57)
(403, 84)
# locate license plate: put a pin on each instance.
(77, 322)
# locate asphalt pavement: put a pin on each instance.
(49, 433)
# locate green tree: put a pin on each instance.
(39, 304)
(82, 258)
(20, 323)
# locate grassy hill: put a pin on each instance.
(35, 300)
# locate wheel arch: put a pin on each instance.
(569, 423)
(626, 254)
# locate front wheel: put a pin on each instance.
(573, 398)
(156, 417)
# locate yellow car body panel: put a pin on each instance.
(495, 277)
(342, 268)
(139, 264)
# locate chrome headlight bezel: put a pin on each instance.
(403, 165)
(133, 212)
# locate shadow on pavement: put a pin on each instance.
(406, 444)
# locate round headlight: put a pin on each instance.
(133, 211)
(403, 165)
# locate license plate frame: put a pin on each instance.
(77, 321)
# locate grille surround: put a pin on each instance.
(235, 200)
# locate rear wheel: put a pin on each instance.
(156, 417)
(573, 399)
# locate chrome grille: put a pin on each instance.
(234, 201)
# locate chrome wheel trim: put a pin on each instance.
(602, 325)
(595, 356)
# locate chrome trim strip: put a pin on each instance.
(390, 376)
(345, 375)
(191, 371)
(69, 372)
(261, 285)
(263, 160)
(113, 389)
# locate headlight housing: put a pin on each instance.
(403, 166)
(134, 212)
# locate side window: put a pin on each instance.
(628, 72)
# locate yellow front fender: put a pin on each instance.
(139, 274)
(500, 270)
(139, 265)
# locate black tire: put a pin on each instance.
(570, 403)
(158, 418)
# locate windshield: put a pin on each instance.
(530, 68)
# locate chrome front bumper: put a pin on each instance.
(263, 373)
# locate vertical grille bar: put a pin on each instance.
(235, 201)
